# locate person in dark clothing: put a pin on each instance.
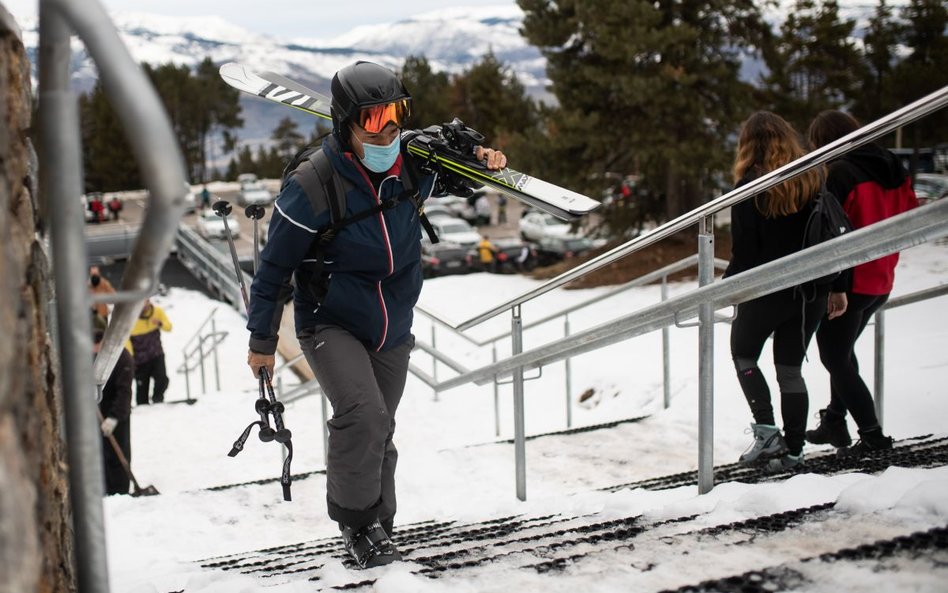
(765, 228)
(354, 313)
(149, 353)
(871, 185)
(115, 406)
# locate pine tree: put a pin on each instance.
(108, 164)
(649, 87)
(879, 46)
(924, 70)
(217, 105)
(489, 98)
(814, 64)
(287, 138)
(429, 93)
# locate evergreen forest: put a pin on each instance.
(650, 93)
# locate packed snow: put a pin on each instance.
(155, 543)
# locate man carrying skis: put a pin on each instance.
(356, 286)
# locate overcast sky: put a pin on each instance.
(291, 18)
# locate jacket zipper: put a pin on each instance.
(388, 249)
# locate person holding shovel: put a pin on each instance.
(115, 408)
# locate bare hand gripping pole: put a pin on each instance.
(266, 404)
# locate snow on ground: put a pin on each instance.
(181, 449)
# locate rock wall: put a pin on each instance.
(35, 517)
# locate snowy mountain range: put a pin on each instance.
(450, 38)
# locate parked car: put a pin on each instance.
(435, 210)
(509, 251)
(252, 192)
(211, 226)
(445, 257)
(930, 186)
(551, 250)
(462, 208)
(455, 230)
(538, 225)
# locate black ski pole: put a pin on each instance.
(255, 213)
(262, 406)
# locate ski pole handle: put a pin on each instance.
(262, 407)
(283, 434)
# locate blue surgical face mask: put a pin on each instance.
(380, 159)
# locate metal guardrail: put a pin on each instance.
(156, 149)
(657, 275)
(211, 266)
(912, 112)
(878, 390)
(438, 355)
(197, 349)
(702, 302)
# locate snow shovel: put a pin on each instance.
(138, 491)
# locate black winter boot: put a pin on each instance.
(870, 441)
(370, 546)
(832, 430)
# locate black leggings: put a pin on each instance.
(792, 324)
(837, 340)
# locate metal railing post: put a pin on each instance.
(496, 394)
(569, 379)
(434, 361)
(879, 370)
(520, 441)
(61, 154)
(187, 374)
(706, 359)
(217, 368)
(201, 362)
(666, 353)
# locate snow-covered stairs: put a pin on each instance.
(645, 554)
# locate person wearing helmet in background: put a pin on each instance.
(353, 309)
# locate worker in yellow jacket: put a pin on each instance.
(148, 353)
(487, 253)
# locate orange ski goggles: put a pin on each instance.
(374, 119)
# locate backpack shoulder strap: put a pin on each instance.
(410, 183)
(323, 187)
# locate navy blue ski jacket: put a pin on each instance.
(372, 266)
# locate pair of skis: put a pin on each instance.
(443, 146)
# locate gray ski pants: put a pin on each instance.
(364, 388)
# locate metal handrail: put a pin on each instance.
(894, 234)
(879, 338)
(912, 112)
(197, 334)
(642, 280)
(156, 149)
(915, 297)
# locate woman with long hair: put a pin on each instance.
(872, 185)
(765, 228)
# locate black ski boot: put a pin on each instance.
(831, 431)
(370, 546)
(870, 441)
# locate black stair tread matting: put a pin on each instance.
(789, 576)
(430, 544)
(914, 452)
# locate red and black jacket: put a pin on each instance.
(872, 185)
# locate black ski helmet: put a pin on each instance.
(360, 85)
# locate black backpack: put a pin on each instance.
(827, 220)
